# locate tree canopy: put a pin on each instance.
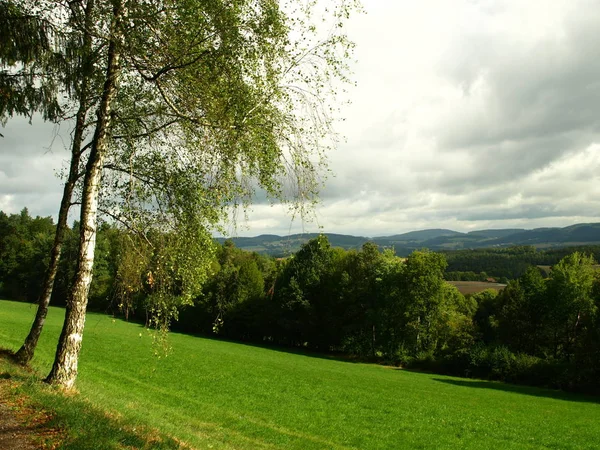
(195, 105)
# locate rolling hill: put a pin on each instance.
(434, 239)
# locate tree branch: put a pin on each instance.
(148, 133)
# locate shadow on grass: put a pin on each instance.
(522, 390)
(300, 351)
(6, 353)
(82, 425)
(90, 428)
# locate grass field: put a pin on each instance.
(214, 394)
(473, 287)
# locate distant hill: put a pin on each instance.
(422, 235)
(434, 239)
(495, 233)
(581, 233)
(286, 245)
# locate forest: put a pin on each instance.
(507, 263)
(542, 329)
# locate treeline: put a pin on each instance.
(472, 276)
(506, 263)
(25, 244)
(538, 331)
(366, 303)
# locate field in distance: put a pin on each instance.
(215, 394)
(473, 287)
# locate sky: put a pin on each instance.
(470, 114)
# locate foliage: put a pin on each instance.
(29, 46)
(24, 246)
(365, 303)
(303, 294)
(572, 307)
(506, 263)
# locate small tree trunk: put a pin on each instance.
(418, 337)
(25, 353)
(373, 346)
(64, 369)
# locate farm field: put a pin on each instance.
(215, 394)
(473, 287)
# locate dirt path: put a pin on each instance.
(21, 427)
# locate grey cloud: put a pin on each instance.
(548, 89)
(499, 155)
(31, 155)
(534, 211)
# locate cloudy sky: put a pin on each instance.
(468, 114)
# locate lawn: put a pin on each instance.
(214, 394)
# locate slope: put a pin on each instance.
(215, 394)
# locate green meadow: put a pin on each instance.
(215, 394)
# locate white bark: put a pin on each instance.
(64, 369)
(27, 350)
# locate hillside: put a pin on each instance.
(434, 239)
(421, 235)
(209, 393)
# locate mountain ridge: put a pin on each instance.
(435, 239)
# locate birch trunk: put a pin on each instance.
(64, 369)
(25, 353)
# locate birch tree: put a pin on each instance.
(45, 68)
(215, 100)
(79, 84)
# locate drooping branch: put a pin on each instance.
(126, 224)
(147, 133)
(181, 115)
(172, 67)
(149, 181)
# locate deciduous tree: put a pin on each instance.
(212, 97)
